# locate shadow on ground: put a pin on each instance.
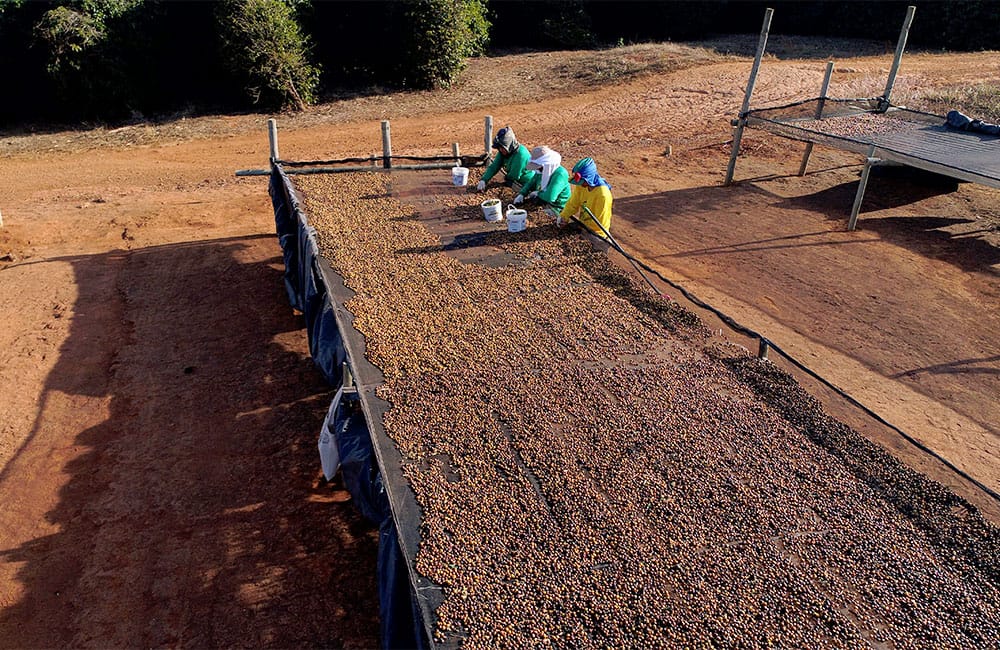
(864, 293)
(954, 239)
(193, 516)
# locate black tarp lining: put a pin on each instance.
(401, 624)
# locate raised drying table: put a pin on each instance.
(874, 127)
(908, 137)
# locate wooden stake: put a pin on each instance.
(386, 145)
(454, 152)
(488, 135)
(272, 136)
(819, 113)
(738, 134)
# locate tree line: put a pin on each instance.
(115, 60)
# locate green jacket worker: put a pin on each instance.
(590, 191)
(512, 157)
(550, 183)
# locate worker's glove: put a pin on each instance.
(481, 185)
(533, 195)
(518, 199)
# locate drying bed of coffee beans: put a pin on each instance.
(595, 469)
(863, 126)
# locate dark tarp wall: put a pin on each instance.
(401, 625)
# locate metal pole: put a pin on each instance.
(805, 158)
(454, 151)
(614, 244)
(386, 145)
(900, 46)
(272, 136)
(869, 161)
(347, 377)
(761, 45)
(738, 134)
(488, 135)
(737, 139)
(819, 114)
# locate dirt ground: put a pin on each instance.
(159, 409)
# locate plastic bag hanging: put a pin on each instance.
(329, 457)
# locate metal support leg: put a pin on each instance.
(738, 134)
(805, 158)
(819, 114)
(900, 47)
(869, 161)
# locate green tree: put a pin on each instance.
(263, 44)
(438, 35)
(80, 41)
(567, 24)
(69, 36)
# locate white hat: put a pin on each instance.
(546, 160)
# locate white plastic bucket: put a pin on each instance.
(491, 210)
(517, 220)
(459, 175)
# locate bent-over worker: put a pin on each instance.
(590, 191)
(550, 183)
(512, 156)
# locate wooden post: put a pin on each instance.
(454, 152)
(272, 136)
(819, 114)
(762, 347)
(869, 161)
(488, 135)
(738, 133)
(386, 145)
(737, 138)
(900, 46)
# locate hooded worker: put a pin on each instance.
(512, 156)
(549, 181)
(590, 191)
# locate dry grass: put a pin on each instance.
(590, 68)
(487, 81)
(981, 101)
(796, 47)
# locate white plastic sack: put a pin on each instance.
(329, 457)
